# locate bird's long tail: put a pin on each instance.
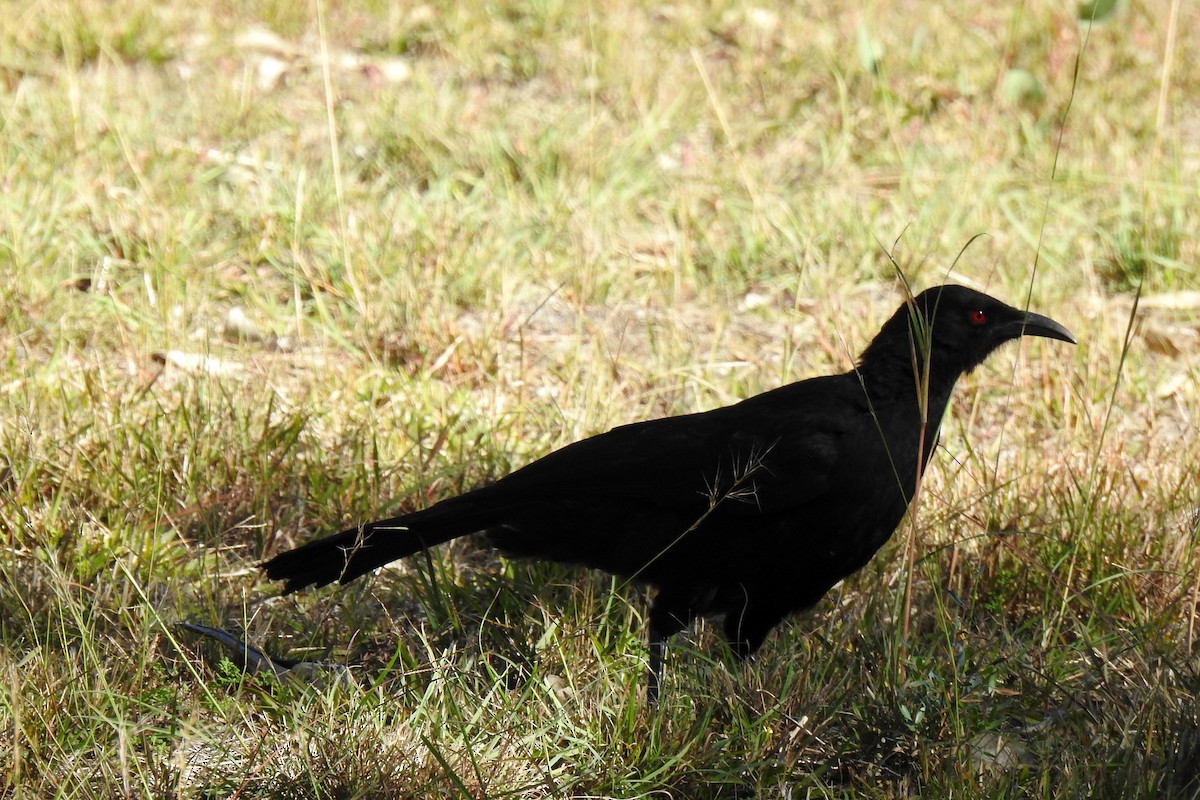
(356, 551)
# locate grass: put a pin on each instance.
(258, 287)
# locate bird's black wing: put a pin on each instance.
(769, 454)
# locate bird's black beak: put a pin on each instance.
(1036, 325)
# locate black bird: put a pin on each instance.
(750, 511)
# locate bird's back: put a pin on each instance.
(779, 494)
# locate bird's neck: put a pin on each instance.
(898, 365)
(910, 395)
(907, 386)
(908, 376)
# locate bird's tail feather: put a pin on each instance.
(356, 551)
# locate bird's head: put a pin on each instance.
(957, 327)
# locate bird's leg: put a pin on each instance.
(658, 662)
(664, 623)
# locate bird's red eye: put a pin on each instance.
(978, 317)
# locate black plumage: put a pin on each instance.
(750, 511)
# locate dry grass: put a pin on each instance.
(271, 268)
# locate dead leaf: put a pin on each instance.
(1170, 385)
(1159, 339)
(198, 363)
(1174, 301)
(239, 327)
